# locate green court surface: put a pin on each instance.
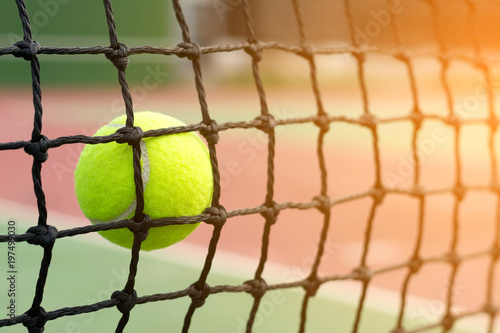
(70, 23)
(87, 269)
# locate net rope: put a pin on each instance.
(124, 300)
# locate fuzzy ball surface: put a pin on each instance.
(176, 174)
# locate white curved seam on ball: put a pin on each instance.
(145, 179)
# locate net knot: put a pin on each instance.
(211, 132)
(448, 322)
(130, 135)
(378, 195)
(360, 56)
(258, 287)
(323, 122)
(126, 301)
(271, 213)
(417, 118)
(362, 273)
(402, 56)
(45, 236)
(480, 64)
(199, 294)
(306, 51)
(495, 188)
(38, 149)
(26, 50)
(417, 191)
(141, 228)
(493, 122)
(311, 286)
(368, 120)
(324, 203)
(218, 215)
(443, 58)
(459, 192)
(453, 120)
(495, 252)
(189, 50)
(36, 323)
(119, 57)
(267, 123)
(415, 265)
(255, 51)
(453, 259)
(490, 310)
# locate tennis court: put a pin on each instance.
(167, 270)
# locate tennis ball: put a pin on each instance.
(176, 174)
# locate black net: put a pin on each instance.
(124, 300)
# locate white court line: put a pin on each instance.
(239, 266)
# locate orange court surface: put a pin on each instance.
(242, 158)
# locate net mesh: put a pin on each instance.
(124, 300)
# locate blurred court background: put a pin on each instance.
(81, 93)
(213, 22)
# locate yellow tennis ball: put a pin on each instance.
(176, 173)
